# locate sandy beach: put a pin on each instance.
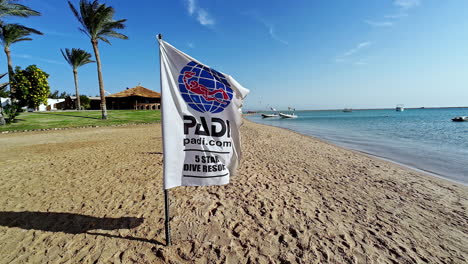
(94, 195)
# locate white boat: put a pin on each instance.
(292, 115)
(400, 108)
(269, 115)
(274, 114)
(282, 115)
(460, 119)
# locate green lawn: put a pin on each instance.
(43, 120)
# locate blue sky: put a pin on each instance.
(322, 54)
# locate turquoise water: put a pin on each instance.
(426, 139)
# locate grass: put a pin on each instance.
(44, 120)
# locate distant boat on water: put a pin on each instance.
(287, 115)
(460, 119)
(392, 135)
(274, 114)
(292, 115)
(347, 110)
(269, 115)
(400, 108)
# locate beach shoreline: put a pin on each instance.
(371, 155)
(95, 195)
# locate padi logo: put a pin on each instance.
(204, 89)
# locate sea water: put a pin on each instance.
(425, 139)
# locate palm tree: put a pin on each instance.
(10, 8)
(10, 34)
(76, 58)
(2, 88)
(98, 24)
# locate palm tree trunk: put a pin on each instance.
(10, 79)
(78, 103)
(101, 83)
(2, 118)
(10, 72)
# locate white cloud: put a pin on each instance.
(33, 58)
(270, 28)
(202, 16)
(54, 33)
(407, 4)
(403, 7)
(379, 23)
(191, 6)
(356, 49)
(397, 15)
(348, 57)
(22, 56)
(271, 31)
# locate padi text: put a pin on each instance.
(216, 127)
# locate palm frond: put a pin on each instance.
(9, 8)
(76, 13)
(21, 39)
(66, 56)
(115, 35)
(97, 20)
(104, 39)
(31, 30)
(77, 57)
(85, 32)
(3, 86)
(12, 33)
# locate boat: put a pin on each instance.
(269, 115)
(274, 114)
(347, 110)
(400, 108)
(282, 115)
(460, 119)
(292, 115)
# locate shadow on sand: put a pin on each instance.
(71, 223)
(42, 113)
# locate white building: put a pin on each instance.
(5, 101)
(51, 104)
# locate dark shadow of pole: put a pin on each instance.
(71, 223)
(152, 241)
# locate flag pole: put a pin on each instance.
(166, 223)
(167, 227)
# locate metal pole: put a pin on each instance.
(167, 227)
(166, 223)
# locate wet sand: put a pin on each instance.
(94, 196)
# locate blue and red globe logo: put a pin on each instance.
(204, 89)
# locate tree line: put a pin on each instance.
(96, 22)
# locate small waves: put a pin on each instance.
(425, 139)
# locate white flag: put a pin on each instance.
(201, 117)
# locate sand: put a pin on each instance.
(94, 196)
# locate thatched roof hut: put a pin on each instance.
(138, 97)
(137, 91)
